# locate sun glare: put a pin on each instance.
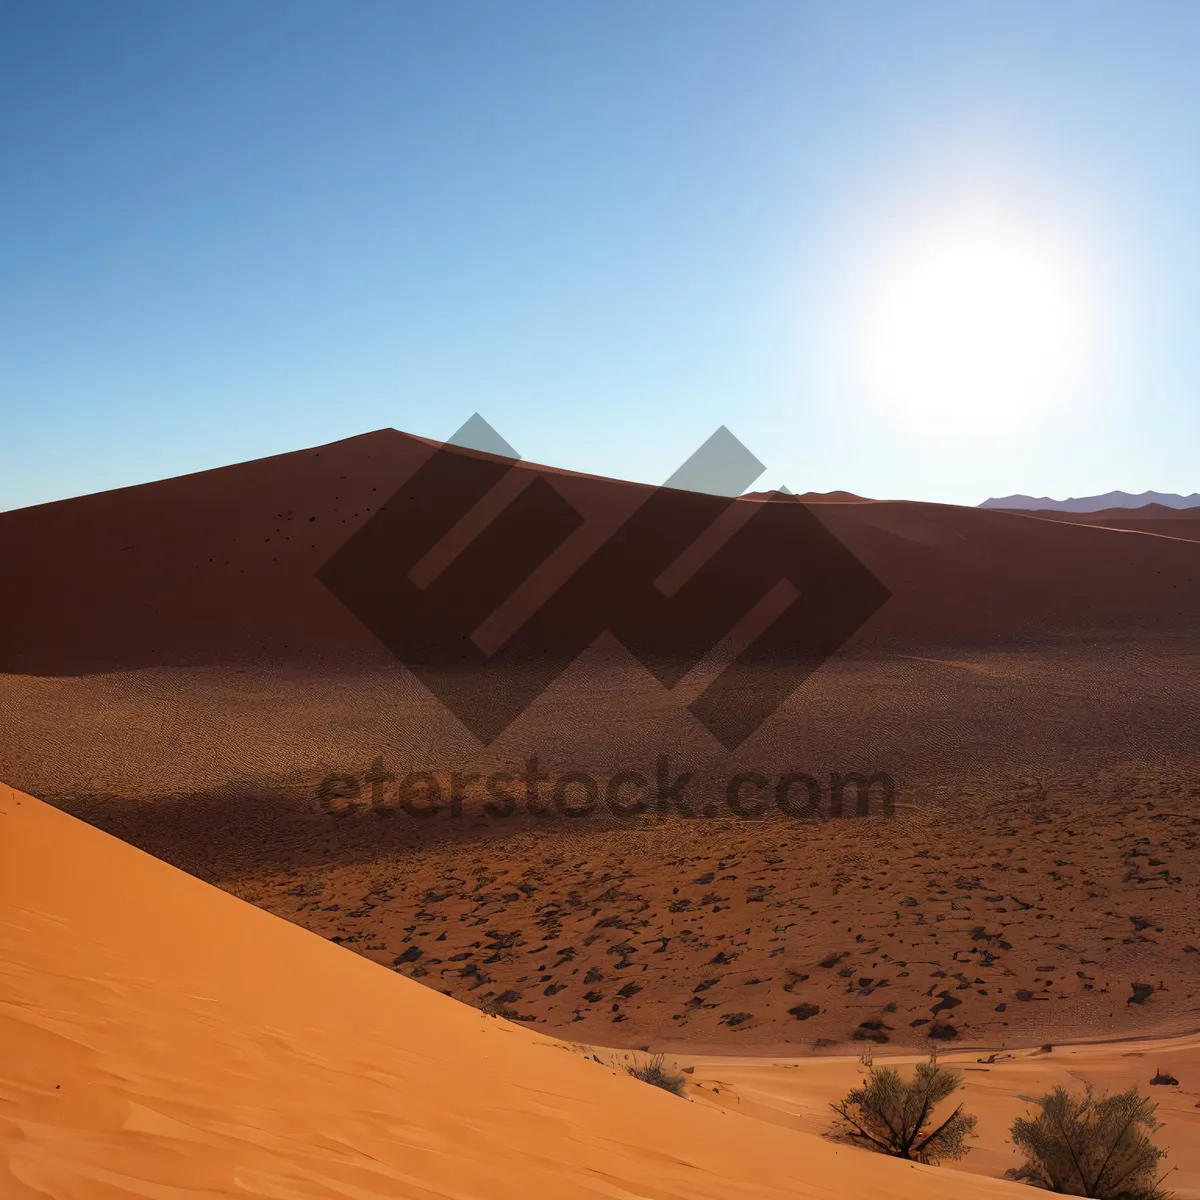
(976, 329)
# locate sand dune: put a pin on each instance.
(1149, 518)
(159, 1038)
(834, 497)
(1143, 511)
(220, 567)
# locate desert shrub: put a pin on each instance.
(1083, 1146)
(653, 1072)
(895, 1116)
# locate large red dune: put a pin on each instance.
(220, 567)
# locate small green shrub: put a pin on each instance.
(891, 1115)
(1084, 1146)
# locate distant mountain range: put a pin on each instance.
(1087, 504)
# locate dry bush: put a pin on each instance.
(1084, 1146)
(895, 1116)
(653, 1072)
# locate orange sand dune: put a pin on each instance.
(161, 1039)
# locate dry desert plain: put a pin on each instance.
(174, 673)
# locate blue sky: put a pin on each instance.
(235, 229)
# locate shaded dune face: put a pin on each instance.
(221, 567)
(179, 671)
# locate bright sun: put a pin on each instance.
(975, 329)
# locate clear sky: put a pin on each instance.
(235, 229)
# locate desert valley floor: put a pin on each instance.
(1032, 884)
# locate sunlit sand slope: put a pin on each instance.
(159, 1038)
